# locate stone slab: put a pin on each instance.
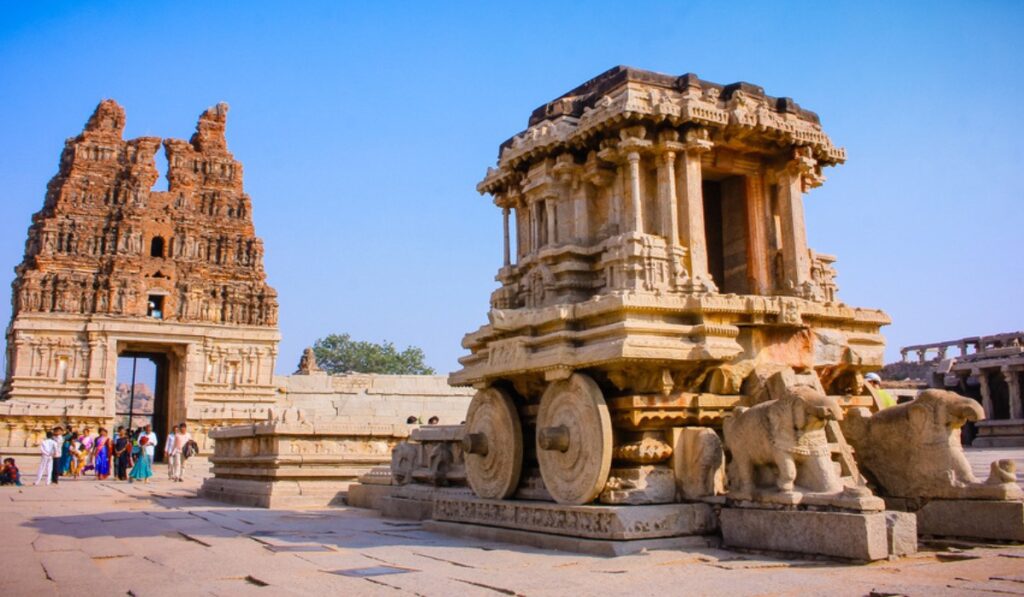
(901, 533)
(264, 494)
(975, 519)
(362, 495)
(849, 536)
(396, 507)
(592, 547)
(588, 522)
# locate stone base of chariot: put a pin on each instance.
(859, 537)
(592, 529)
(985, 520)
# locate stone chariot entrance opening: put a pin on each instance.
(725, 228)
(141, 394)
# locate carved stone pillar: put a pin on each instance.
(1012, 378)
(581, 219)
(534, 227)
(634, 192)
(757, 235)
(692, 203)
(632, 143)
(986, 392)
(552, 222)
(669, 149)
(796, 261)
(507, 256)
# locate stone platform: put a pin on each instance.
(1007, 433)
(973, 519)
(850, 536)
(613, 523)
(294, 463)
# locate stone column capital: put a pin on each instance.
(698, 141)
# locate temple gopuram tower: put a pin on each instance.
(113, 268)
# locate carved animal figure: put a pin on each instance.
(912, 450)
(403, 461)
(787, 434)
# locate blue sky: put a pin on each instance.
(364, 128)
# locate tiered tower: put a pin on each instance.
(112, 267)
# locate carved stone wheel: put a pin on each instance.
(574, 440)
(493, 444)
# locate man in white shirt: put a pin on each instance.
(151, 443)
(181, 439)
(47, 450)
(167, 452)
(58, 441)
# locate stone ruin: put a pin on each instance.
(989, 369)
(113, 267)
(666, 359)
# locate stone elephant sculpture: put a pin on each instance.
(785, 437)
(913, 450)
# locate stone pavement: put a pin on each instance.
(110, 538)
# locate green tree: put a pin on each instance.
(339, 353)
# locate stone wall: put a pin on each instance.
(357, 398)
(376, 399)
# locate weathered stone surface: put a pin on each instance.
(288, 462)
(979, 519)
(698, 462)
(926, 435)
(901, 532)
(591, 522)
(852, 536)
(493, 444)
(574, 440)
(639, 485)
(592, 547)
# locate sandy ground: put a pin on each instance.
(110, 538)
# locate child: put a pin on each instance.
(143, 468)
(78, 455)
(9, 474)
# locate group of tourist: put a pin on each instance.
(129, 455)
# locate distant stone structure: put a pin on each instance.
(987, 368)
(112, 267)
(325, 432)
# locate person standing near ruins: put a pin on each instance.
(884, 397)
(151, 442)
(103, 451)
(181, 440)
(87, 439)
(122, 454)
(47, 451)
(143, 468)
(168, 446)
(58, 439)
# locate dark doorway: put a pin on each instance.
(141, 394)
(725, 228)
(999, 390)
(156, 247)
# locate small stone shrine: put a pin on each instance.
(659, 315)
